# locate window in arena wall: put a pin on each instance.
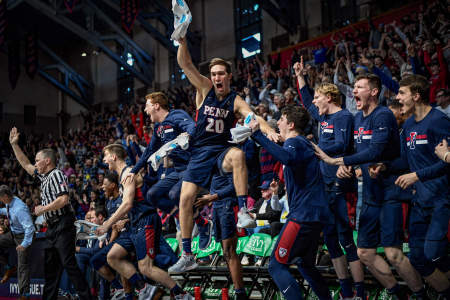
(248, 28)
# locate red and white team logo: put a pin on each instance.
(282, 252)
(326, 128)
(415, 139)
(412, 140)
(359, 134)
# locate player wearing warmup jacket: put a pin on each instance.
(168, 125)
(144, 233)
(308, 205)
(376, 139)
(335, 139)
(217, 111)
(430, 211)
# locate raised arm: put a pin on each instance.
(200, 82)
(298, 68)
(21, 157)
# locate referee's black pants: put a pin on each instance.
(60, 255)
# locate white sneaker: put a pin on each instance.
(244, 219)
(185, 296)
(147, 292)
(185, 263)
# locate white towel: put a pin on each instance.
(182, 19)
(240, 133)
(86, 230)
(157, 158)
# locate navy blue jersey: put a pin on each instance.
(112, 205)
(335, 136)
(419, 140)
(304, 184)
(376, 139)
(175, 123)
(140, 206)
(214, 120)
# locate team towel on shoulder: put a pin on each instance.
(182, 19)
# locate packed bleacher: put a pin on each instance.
(417, 43)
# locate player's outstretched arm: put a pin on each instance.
(200, 82)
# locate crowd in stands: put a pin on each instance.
(416, 44)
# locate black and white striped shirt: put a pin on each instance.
(53, 185)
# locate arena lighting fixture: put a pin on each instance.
(83, 54)
(130, 59)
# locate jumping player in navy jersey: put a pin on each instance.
(308, 205)
(144, 233)
(376, 138)
(336, 139)
(430, 211)
(217, 111)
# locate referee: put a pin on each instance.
(58, 213)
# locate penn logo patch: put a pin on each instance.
(282, 252)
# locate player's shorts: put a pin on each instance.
(159, 194)
(99, 259)
(201, 166)
(224, 218)
(380, 225)
(428, 229)
(145, 235)
(297, 241)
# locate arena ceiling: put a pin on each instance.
(93, 23)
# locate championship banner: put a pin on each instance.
(70, 4)
(129, 10)
(2, 22)
(31, 54)
(13, 62)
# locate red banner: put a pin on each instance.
(129, 10)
